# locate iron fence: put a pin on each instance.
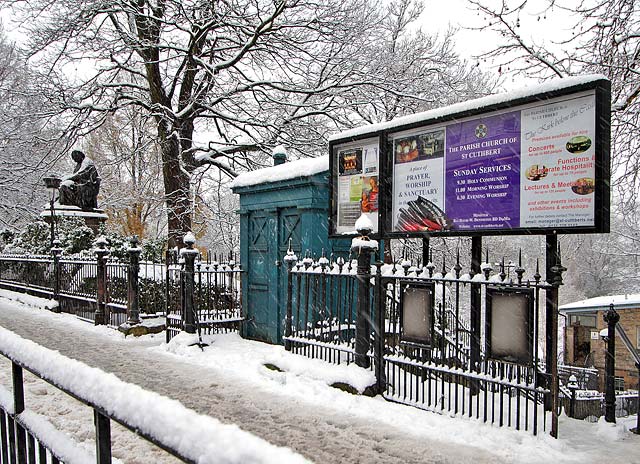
(160, 289)
(216, 301)
(28, 271)
(440, 374)
(589, 405)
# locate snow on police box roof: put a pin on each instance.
(299, 168)
(514, 96)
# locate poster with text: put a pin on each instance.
(357, 186)
(482, 173)
(418, 181)
(558, 164)
(530, 167)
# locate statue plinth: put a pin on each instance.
(92, 218)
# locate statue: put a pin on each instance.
(81, 188)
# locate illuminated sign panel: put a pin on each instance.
(534, 164)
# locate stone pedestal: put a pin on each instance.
(93, 218)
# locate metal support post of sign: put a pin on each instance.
(611, 317)
(425, 251)
(554, 271)
(476, 307)
(550, 260)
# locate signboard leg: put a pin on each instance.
(425, 251)
(551, 345)
(476, 307)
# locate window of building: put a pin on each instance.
(619, 384)
(586, 319)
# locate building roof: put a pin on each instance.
(286, 171)
(631, 301)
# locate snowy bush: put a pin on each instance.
(75, 239)
(72, 232)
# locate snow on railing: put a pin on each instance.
(184, 433)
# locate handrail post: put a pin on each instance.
(101, 315)
(189, 254)
(103, 437)
(133, 270)
(56, 251)
(18, 407)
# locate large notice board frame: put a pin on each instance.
(598, 89)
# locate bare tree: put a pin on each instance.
(420, 71)
(227, 81)
(601, 36)
(128, 156)
(26, 134)
(245, 71)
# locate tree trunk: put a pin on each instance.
(177, 188)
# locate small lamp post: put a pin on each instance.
(53, 184)
(573, 388)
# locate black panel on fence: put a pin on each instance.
(416, 317)
(509, 329)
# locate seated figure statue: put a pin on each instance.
(81, 188)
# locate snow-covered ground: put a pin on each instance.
(300, 401)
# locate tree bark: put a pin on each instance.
(177, 187)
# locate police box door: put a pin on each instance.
(269, 235)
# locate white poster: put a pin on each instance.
(358, 193)
(558, 164)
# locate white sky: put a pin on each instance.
(536, 27)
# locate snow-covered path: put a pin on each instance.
(294, 408)
(320, 434)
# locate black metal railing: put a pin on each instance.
(28, 271)
(77, 284)
(439, 375)
(24, 443)
(216, 302)
(591, 405)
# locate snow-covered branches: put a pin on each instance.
(563, 39)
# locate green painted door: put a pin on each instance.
(289, 231)
(259, 279)
(269, 235)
